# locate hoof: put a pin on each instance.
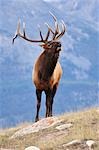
(37, 119)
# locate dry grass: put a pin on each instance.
(85, 126)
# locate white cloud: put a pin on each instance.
(88, 11)
(69, 42)
(33, 13)
(87, 8)
(75, 4)
(71, 5)
(1, 38)
(82, 65)
(80, 74)
(51, 0)
(79, 61)
(80, 33)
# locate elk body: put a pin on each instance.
(47, 70)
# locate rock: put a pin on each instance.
(73, 143)
(81, 144)
(40, 125)
(53, 135)
(64, 126)
(32, 148)
(90, 143)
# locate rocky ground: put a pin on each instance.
(74, 131)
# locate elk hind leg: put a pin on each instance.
(38, 95)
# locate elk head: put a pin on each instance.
(48, 45)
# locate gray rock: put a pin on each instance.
(38, 126)
(72, 143)
(90, 143)
(64, 126)
(32, 148)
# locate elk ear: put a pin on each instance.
(43, 45)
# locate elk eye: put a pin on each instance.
(49, 45)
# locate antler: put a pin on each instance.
(56, 26)
(62, 32)
(56, 34)
(23, 35)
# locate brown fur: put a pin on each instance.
(45, 84)
(47, 70)
(46, 75)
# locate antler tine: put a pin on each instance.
(47, 35)
(64, 26)
(17, 31)
(48, 32)
(24, 29)
(56, 25)
(40, 33)
(63, 30)
(49, 27)
(53, 16)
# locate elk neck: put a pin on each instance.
(47, 65)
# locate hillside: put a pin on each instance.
(72, 131)
(79, 58)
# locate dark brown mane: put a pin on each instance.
(47, 65)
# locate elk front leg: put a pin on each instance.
(38, 95)
(52, 100)
(48, 102)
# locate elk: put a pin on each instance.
(47, 69)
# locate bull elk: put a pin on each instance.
(47, 70)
